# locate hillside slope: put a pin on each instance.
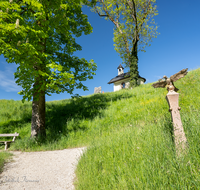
(128, 134)
(139, 152)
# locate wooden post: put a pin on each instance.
(179, 135)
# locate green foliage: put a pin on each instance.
(134, 70)
(39, 36)
(134, 27)
(133, 21)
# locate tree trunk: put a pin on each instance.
(134, 66)
(38, 114)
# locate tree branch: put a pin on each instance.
(136, 36)
(145, 14)
(132, 9)
(99, 13)
(117, 13)
(119, 29)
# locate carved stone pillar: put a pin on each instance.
(179, 135)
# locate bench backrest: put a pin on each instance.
(10, 135)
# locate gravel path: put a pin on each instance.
(48, 170)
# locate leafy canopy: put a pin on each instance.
(39, 36)
(133, 22)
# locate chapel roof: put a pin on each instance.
(123, 76)
(120, 66)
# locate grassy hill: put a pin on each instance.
(128, 134)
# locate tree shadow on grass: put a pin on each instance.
(84, 108)
(12, 125)
(168, 127)
(61, 112)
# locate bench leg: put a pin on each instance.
(6, 145)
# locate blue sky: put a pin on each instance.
(177, 47)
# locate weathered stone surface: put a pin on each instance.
(97, 90)
(179, 134)
(172, 99)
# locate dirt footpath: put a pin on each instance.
(48, 170)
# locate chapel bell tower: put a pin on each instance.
(120, 69)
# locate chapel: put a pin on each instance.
(122, 80)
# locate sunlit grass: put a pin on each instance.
(128, 134)
(142, 157)
(4, 156)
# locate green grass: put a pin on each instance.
(4, 156)
(128, 134)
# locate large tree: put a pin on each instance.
(134, 28)
(39, 36)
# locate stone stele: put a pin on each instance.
(179, 134)
(97, 90)
(172, 99)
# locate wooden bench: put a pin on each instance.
(8, 135)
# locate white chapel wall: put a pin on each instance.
(140, 81)
(117, 85)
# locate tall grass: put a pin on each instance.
(69, 123)
(4, 156)
(128, 134)
(140, 153)
(142, 158)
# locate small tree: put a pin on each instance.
(39, 36)
(133, 28)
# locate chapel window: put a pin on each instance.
(123, 85)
